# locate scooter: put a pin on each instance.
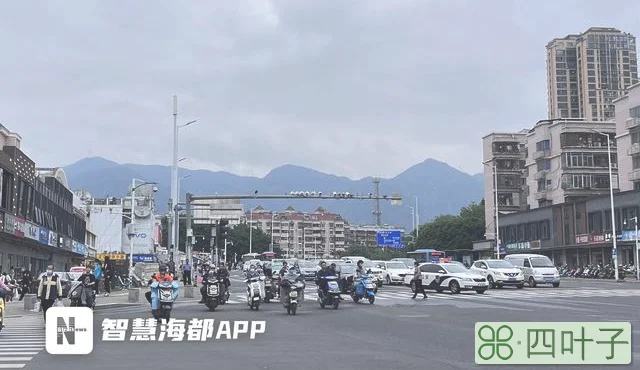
(269, 292)
(364, 289)
(292, 293)
(214, 289)
(255, 291)
(332, 298)
(77, 293)
(163, 294)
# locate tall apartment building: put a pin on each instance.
(628, 134)
(586, 72)
(299, 234)
(504, 153)
(554, 162)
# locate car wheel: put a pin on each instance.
(490, 281)
(454, 286)
(520, 286)
(532, 282)
(556, 285)
(439, 290)
(481, 291)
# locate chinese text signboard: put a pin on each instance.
(553, 343)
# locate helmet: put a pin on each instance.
(321, 262)
(163, 268)
(360, 262)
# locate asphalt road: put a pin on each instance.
(394, 333)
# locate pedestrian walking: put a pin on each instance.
(417, 282)
(49, 290)
(97, 272)
(107, 275)
(186, 273)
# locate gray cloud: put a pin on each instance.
(353, 88)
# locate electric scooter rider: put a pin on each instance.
(322, 283)
(161, 276)
(206, 271)
(223, 275)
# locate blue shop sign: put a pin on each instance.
(144, 258)
(80, 248)
(629, 235)
(44, 236)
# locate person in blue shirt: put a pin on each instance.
(97, 272)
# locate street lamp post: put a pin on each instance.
(177, 217)
(636, 253)
(250, 230)
(614, 235)
(413, 217)
(174, 170)
(417, 213)
(272, 220)
(133, 226)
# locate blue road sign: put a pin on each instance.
(390, 238)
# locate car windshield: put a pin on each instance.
(347, 268)
(541, 262)
(407, 261)
(455, 268)
(276, 266)
(368, 264)
(396, 265)
(500, 264)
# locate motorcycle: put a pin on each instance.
(217, 294)
(332, 298)
(163, 294)
(255, 291)
(78, 291)
(365, 288)
(292, 293)
(269, 291)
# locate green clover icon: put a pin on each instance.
(495, 341)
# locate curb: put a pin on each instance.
(115, 305)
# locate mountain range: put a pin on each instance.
(440, 188)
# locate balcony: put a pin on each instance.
(632, 122)
(541, 154)
(634, 175)
(541, 174)
(541, 194)
(634, 150)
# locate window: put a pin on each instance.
(533, 231)
(526, 263)
(543, 145)
(595, 223)
(543, 227)
(477, 264)
(635, 112)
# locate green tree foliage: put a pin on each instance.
(374, 253)
(239, 236)
(449, 232)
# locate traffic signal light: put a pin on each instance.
(223, 230)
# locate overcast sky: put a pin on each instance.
(354, 88)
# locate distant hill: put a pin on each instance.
(440, 188)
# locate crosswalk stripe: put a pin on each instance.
(23, 339)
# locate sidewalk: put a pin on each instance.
(627, 279)
(121, 298)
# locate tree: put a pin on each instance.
(201, 233)
(239, 236)
(449, 232)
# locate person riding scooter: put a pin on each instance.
(161, 276)
(324, 272)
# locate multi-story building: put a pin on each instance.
(106, 219)
(504, 157)
(628, 138)
(586, 72)
(569, 160)
(554, 162)
(38, 221)
(300, 234)
(367, 235)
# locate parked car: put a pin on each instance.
(448, 276)
(410, 262)
(308, 269)
(394, 272)
(536, 268)
(377, 274)
(499, 273)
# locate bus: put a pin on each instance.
(428, 255)
(250, 256)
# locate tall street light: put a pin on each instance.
(273, 215)
(177, 217)
(495, 206)
(174, 169)
(133, 221)
(614, 237)
(417, 227)
(255, 193)
(413, 216)
(635, 220)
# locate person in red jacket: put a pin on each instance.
(161, 276)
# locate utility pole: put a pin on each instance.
(189, 241)
(377, 212)
(174, 177)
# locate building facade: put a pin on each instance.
(586, 72)
(300, 234)
(39, 224)
(576, 233)
(554, 162)
(628, 138)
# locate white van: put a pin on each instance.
(536, 268)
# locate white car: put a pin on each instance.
(394, 272)
(376, 272)
(448, 276)
(499, 273)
